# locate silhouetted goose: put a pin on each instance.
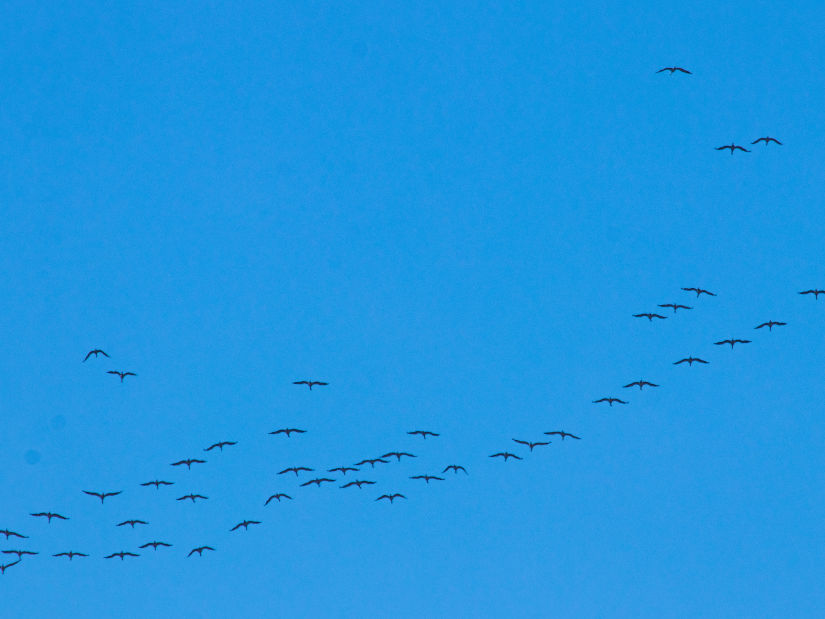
(675, 306)
(288, 431)
(530, 444)
(188, 462)
(71, 554)
(732, 148)
(296, 470)
(771, 324)
(102, 495)
(424, 433)
(131, 523)
(49, 515)
(505, 455)
(357, 482)
(94, 352)
(221, 445)
(3, 568)
(318, 481)
(121, 374)
(609, 401)
(427, 478)
(689, 361)
(245, 524)
(640, 384)
(155, 545)
(199, 550)
(391, 497)
(309, 383)
(700, 291)
(121, 554)
(371, 462)
(650, 316)
(191, 496)
(158, 483)
(455, 468)
(766, 139)
(673, 69)
(732, 342)
(278, 497)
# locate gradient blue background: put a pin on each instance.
(450, 213)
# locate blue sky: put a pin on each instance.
(450, 213)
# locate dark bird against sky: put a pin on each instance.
(505, 455)
(288, 431)
(423, 433)
(531, 444)
(455, 468)
(427, 478)
(245, 524)
(700, 291)
(371, 462)
(732, 342)
(673, 69)
(3, 568)
(766, 139)
(49, 516)
(221, 445)
(188, 462)
(94, 352)
(563, 434)
(102, 495)
(296, 470)
(689, 361)
(391, 497)
(309, 383)
(199, 550)
(732, 148)
(650, 316)
(357, 482)
(640, 384)
(610, 401)
(71, 554)
(675, 306)
(158, 483)
(278, 497)
(155, 545)
(131, 523)
(121, 374)
(121, 554)
(771, 324)
(192, 497)
(9, 534)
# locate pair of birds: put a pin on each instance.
(767, 139)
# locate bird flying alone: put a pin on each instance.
(155, 545)
(131, 523)
(49, 516)
(357, 482)
(700, 291)
(675, 306)
(158, 483)
(71, 554)
(102, 495)
(94, 352)
(505, 455)
(650, 316)
(391, 497)
(318, 481)
(815, 292)
(188, 462)
(310, 383)
(640, 384)
(766, 139)
(609, 401)
(343, 469)
(288, 431)
(732, 342)
(563, 434)
(690, 361)
(296, 470)
(530, 444)
(191, 496)
(278, 496)
(427, 478)
(245, 524)
(398, 455)
(199, 550)
(424, 433)
(3, 568)
(455, 468)
(771, 324)
(221, 445)
(732, 148)
(9, 534)
(20, 553)
(674, 69)
(121, 554)
(371, 462)
(121, 374)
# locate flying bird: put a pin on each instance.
(9, 534)
(732, 148)
(650, 316)
(423, 433)
(766, 139)
(343, 469)
(529, 444)
(288, 431)
(317, 481)
(391, 497)
(398, 455)
(278, 496)
(816, 292)
(732, 342)
(71, 554)
(189, 462)
(357, 482)
(3, 568)
(610, 401)
(505, 455)
(121, 554)
(699, 291)
(427, 478)
(245, 524)
(191, 496)
(221, 445)
(563, 434)
(771, 324)
(673, 69)
(296, 470)
(49, 515)
(455, 468)
(121, 374)
(640, 384)
(155, 545)
(199, 550)
(689, 361)
(19, 553)
(158, 483)
(309, 383)
(132, 523)
(102, 495)
(94, 352)
(371, 462)
(675, 306)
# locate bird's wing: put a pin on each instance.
(300, 382)
(521, 442)
(683, 70)
(660, 70)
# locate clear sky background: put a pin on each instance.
(450, 212)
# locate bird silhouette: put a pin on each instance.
(815, 292)
(102, 495)
(131, 523)
(9, 534)
(357, 482)
(158, 483)
(640, 384)
(609, 401)
(505, 455)
(221, 445)
(398, 455)
(423, 433)
(766, 139)
(199, 550)
(188, 462)
(155, 545)
(455, 468)
(371, 462)
(121, 554)
(318, 481)
(700, 291)
(427, 478)
(530, 444)
(675, 306)
(71, 554)
(563, 434)
(309, 383)
(343, 469)
(191, 496)
(121, 374)
(391, 497)
(673, 69)
(49, 515)
(19, 553)
(296, 470)
(771, 324)
(650, 316)
(3, 568)
(288, 431)
(245, 524)
(278, 496)
(732, 148)
(732, 342)
(94, 352)
(689, 361)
